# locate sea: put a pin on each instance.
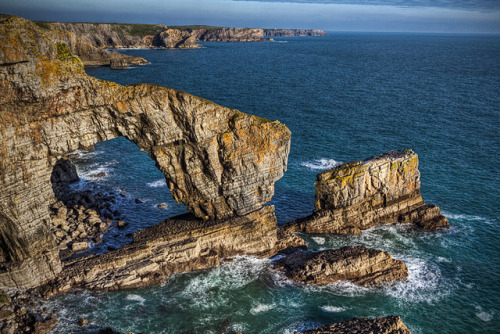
(345, 97)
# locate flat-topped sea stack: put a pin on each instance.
(359, 265)
(219, 162)
(383, 189)
(386, 325)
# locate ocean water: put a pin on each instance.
(345, 97)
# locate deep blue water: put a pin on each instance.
(344, 97)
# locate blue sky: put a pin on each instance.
(448, 16)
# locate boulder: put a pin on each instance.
(360, 265)
(387, 325)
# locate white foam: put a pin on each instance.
(319, 240)
(136, 298)
(443, 260)
(462, 217)
(261, 308)
(424, 284)
(483, 315)
(332, 309)
(157, 183)
(321, 164)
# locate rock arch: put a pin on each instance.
(218, 161)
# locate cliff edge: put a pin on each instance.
(219, 162)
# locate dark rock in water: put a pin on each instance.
(360, 265)
(101, 174)
(108, 331)
(83, 321)
(121, 224)
(163, 206)
(358, 195)
(388, 325)
(138, 201)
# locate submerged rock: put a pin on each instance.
(379, 190)
(360, 265)
(387, 325)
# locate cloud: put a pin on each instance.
(450, 4)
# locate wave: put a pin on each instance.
(261, 308)
(135, 298)
(466, 217)
(321, 164)
(483, 315)
(157, 183)
(332, 309)
(319, 240)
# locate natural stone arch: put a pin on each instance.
(218, 161)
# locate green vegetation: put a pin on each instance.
(138, 29)
(43, 25)
(64, 54)
(190, 28)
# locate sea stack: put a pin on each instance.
(357, 195)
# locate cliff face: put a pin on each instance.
(361, 194)
(293, 32)
(218, 161)
(230, 35)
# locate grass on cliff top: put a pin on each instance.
(131, 29)
(194, 27)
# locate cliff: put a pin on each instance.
(89, 53)
(388, 325)
(219, 162)
(293, 32)
(379, 190)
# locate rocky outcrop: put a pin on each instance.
(173, 38)
(89, 53)
(180, 244)
(360, 265)
(293, 32)
(379, 190)
(229, 35)
(217, 161)
(388, 325)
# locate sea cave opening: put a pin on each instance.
(106, 194)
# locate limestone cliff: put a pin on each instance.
(361, 194)
(218, 161)
(388, 325)
(229, 35)
(293, 32)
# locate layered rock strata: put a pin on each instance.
(180, 244)
(379, 190)
(217, 161)
(359, 265)
(387, 325)
(293, 32)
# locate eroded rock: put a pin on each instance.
(379, 190)
(387, 325)
(181, 244)
(218, 161)
(360, 265)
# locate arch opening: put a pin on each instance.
(105, 195)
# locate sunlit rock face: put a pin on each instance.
(358, 195)
(217, 161)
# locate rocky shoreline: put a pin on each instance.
(219, 162)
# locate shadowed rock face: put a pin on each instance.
(388, 325)
(379, 190)
(217, 161)
(294, 32)
(360, 265)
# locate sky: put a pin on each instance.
(441, 16)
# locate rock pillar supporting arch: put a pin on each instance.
(218, 161)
